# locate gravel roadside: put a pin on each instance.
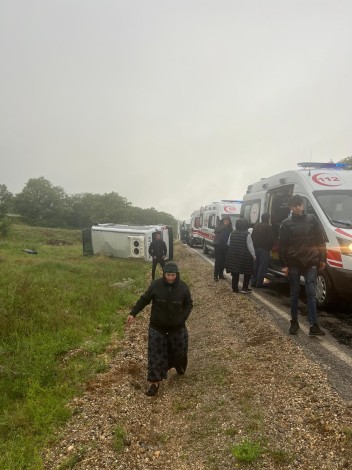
(248, 388)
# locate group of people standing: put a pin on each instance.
(301, 248)
(302, 252)
(239, 252)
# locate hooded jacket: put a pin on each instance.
(301, 242)
(171, 304)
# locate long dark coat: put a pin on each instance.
(239, 259)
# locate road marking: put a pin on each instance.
(327, 343)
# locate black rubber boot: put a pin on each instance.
(294, 327)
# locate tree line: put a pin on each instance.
(40, 203)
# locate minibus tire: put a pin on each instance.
(324, 290)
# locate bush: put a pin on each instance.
(5, 225)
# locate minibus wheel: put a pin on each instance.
(205, 248)
(324, 290)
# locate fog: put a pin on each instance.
(171, 104)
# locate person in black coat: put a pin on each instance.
(263, 240)
(157, 250)
(222, 233)
(168, 336)
(302, 252)
(240, 256)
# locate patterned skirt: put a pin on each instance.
(166, 350)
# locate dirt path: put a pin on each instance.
(246, 383)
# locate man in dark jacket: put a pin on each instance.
(302, 252)
(263, 240)
(157, 250)
(222, 233)
(168, 336)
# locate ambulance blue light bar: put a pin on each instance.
(322, 165)
(229, 201)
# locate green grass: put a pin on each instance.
(347, 432)
(119, 439)
(252, 449)
(280, 457)
(247, 451)
(58, 310)
(71, 461)
(218, 374)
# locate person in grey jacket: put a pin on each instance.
(240, 256)
(168, 336)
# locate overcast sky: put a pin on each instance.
(171, 104)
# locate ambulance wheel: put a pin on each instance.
(324, 290)
(205, 249)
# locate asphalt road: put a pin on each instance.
(333, 352)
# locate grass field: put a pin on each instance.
(58, 310)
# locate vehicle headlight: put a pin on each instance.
(345, 246)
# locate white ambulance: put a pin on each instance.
(211, 216)
(183, 230)
(326, 189)
(194, 229)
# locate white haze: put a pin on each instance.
(171, 104)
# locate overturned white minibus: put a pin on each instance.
(125, 241)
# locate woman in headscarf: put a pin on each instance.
(167, 336)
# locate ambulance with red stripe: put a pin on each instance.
(326, 189)
(211, 216)
(194, 229)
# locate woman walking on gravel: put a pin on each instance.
(240, 256)
(168, 336)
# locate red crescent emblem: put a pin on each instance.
(327, 179)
